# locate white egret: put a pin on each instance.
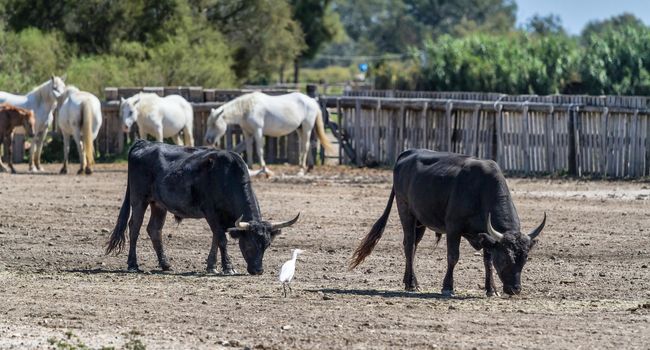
(287, 271)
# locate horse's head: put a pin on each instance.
(57, 86)
(29, 122)
(216, 127)
(129, 112)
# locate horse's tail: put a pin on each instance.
(87, 131)
(365, 248)
(117, 239)
(320, 132)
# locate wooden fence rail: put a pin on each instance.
(523, 137)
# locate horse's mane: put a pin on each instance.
(145, 102)
(69, 90)
(236, 108)
(40, 91)
(23, 112)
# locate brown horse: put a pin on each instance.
(10, 118)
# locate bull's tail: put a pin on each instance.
(87, 130)
(320, 132)
(117, 239)
(371, 239)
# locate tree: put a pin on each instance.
(545, 25)
(621, 21)
(262, 34)
(616, 61)
(94, 25)
(319, 25)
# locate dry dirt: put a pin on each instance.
(586, 284)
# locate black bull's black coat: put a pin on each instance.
(192, 183)
(455, 194)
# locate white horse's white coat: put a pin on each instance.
(259, 114)
(42, 100)
(80, 116)
(159, 117)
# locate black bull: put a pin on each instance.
(193, 183)
(462, 197)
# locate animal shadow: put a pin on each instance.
(97, 271)
(391, 294)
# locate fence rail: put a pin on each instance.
(523, 137)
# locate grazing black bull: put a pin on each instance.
(462, 197)
(193, 183)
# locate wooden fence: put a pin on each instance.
(523, 137)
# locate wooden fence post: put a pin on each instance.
(498, 137)
(572, 159)
(525, 138)
(449, 106)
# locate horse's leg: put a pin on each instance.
(40, 140)
(178, 140)
(66, 153)
(304, 139)
(154, 228)
(80, 150)
(3, 169)
(159, 133)
(259, 142)
(249, 149)
(188, 136)
(9, 143)
(33, 153)
(4, 141)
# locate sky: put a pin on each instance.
(576, 13)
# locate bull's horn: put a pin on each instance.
(534, 233)
(241, 225)
(279, 225)
(496, 235)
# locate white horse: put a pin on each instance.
(80, 115)
(159, 117)
(42, 100)
(259, 114)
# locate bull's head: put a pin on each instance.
(254, 237)
(509, 252)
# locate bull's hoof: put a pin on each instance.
(447, 293)
(412, 288)
(134, 269)
(229, 272)
(89, 171)
(212, 271)
(63, 171)
(13, 171)
(492, 293)
(166, 267)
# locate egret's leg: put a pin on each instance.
(284, 289)
(289, 285)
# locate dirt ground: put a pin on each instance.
(587, 284)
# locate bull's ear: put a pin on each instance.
(236, 234)
(532, 243)
(486, 241)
